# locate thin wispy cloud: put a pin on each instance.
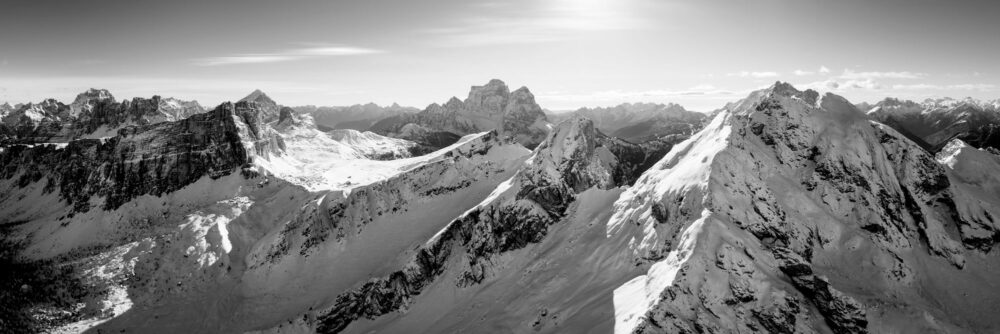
(850, 74)
(802, 73)
(500, 24)
(823, 70)
(749, 74)
(286, 55)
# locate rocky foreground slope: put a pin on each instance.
(790, 212)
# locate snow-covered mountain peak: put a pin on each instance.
(794, 180)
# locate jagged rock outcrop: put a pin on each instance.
(107, 116)
(286, 117)
(151, 159)
(492, 106)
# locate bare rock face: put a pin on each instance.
(488, 107)
(286, 117)
(151, 159)
(85, 101)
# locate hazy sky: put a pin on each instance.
(569, 53)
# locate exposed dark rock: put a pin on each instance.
(152, 159)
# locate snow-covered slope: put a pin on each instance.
(373, 145)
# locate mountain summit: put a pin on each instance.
(491, 106)
(270, 109)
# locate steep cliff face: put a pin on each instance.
(792, 213)
(492, 106)
(85, 101)
(105, 118)
(153, 159)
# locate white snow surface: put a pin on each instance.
(634, 298)
(317, 162)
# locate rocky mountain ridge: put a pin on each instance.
(93, 114)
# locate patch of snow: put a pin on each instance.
(635, 298)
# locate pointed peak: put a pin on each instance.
(783, 88)
(257, 96)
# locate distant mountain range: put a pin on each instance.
(934, 122)
(356, 117)
(786, 211)
(639, 122)
(94, 113)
